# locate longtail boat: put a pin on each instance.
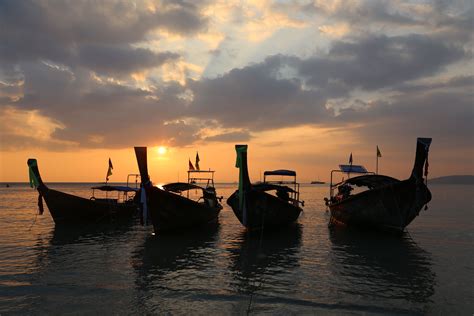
(378, 201)
(169, 209)
(66, 208)
(255, 207)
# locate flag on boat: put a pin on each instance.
(191, 167)
(379, 154)
(109, 172)
(350, 159)
(197, 161)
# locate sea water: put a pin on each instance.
(305, 269)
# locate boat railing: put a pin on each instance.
(204, 178)
(122, 196)
(201, 177)
(292, 184)
(136, 178)
(341, 170)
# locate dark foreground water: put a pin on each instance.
(307, 269)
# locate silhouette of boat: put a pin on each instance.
(252, 255)
(169, 210)
(72, 234)
(317, 182)
(387, 203)
(254, 207)
(71, 209)
(174, 252)
(384, 264)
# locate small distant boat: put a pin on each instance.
(317, 182)
(7, 185)
(254, 207)
(71, 209)
(169, 209)
(387, 203)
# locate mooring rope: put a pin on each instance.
(34, 222)
(262, 281)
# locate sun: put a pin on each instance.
(161, 150)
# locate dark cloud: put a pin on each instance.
(445, 115)
(449, 21)
(9, 91)
(457, 82)
(255, 98)
(95, 35)
(379, 61)
(376, 12)
(455, 28)
(121, 60)
(359, 13)
(181, 18)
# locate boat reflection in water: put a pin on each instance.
(381, 269)
(172, 252)
(100, 231)
(260, 260)
(171, 268)
(86, 260)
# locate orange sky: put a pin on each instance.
(312, 159)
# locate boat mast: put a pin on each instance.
(378, 155)
(141, 154)
(244, 180)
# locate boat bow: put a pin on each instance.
(36, 182)
(421, 158)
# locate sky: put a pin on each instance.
(303, 83)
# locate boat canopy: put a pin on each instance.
(280, 172)
(268, 187)
(371, 181)
(179, 187)
(119, 188)
(353, 169)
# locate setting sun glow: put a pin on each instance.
(161, 150)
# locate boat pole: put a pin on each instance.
(377, 155)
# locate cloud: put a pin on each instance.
(90, 74)
(121, 60)
(255, 98)
(87, 34)
(379, 61)
(119, 114)
(229, 137)
(282, 91)
(338, 30)
(287, 91)
(443, 111)
(22, 128)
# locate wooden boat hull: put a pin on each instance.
(169, 211)
(70, 209)
(388, 208)
(264, 210)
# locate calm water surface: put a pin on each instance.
(306, 269)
